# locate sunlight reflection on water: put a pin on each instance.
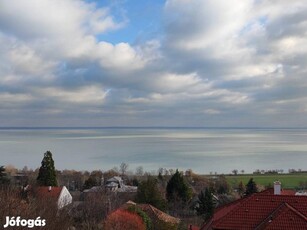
(203, 150)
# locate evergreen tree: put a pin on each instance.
(205, 205)
(149, 193)
(90, 182)
(178, 188)
(47, 175)
(3, 177)
(251, 187)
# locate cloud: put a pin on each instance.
(86, 95)
(118, 57)
(54, 19)
(222, 62)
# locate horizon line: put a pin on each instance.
(147, 127)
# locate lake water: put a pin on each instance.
(203, 150)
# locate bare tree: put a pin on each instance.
(92, 211)
(123, 168)
(139, 171)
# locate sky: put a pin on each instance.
(188, 63)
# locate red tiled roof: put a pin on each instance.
(192, 227)
(44, 192)
(283, 191)
(262, 211)
(283, 216)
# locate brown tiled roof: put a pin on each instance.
(262, 211)
(154, 212)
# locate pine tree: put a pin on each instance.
(178, 188)
(3, 177)
(251, 187)
(47, 175)
(205, 205)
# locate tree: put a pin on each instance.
(178, 188)
(122, 219)
(3, 177)
(12, 204)
(221, 185)
(251, 187)
(123, 168)
(95, 179)
(235, 172)
(89, 183)
(205, 205)
(47, 174)
(241, 188)
(149, 193)
(139, 171)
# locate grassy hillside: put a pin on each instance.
(287, 180)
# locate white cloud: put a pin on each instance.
(57, 29)
(53, 19)
(118, 57)
(26, 61)
(211, 25)
(216, 57)
(85, 95)
(291, 46)
(15, 98)
(170, 82)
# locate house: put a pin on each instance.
(19, 179)
(117, 184)
(270, 209)
(60, 194)
(114, 187)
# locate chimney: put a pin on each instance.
(49, 189)
(277, 188)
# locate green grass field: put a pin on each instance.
(287, 180)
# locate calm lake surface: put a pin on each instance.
(203, 150)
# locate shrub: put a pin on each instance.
(121, 219)
(143, 215)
